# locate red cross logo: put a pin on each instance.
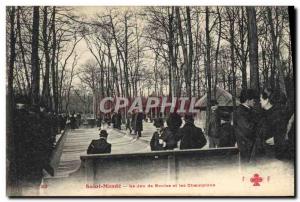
(256, 179)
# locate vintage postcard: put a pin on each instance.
(150, 101)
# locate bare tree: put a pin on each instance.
(277, 63)
(217, 51)
(253, 48)
(69, 85)
(10, 141)
(241, 47)
(53, 62)
(185, 54)
(46, 85)
(207, 65)
(232, 16)
(22, 49)
(190, 59)
(35, 57)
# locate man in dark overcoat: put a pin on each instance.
(119, 120)
(139, 124)
(162, 138)
(190, 136)
(245, 125)
(100, 146)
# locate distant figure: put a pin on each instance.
(119, 120)
(227, 137)
(128, 122)
(162, 139)
(99, 121)
(107, 119)
(139, 124)
(214, 125)
(78, 120)
(191, 137)
(100, 146)
(73, 121)
(133, 116)
(114, 120)
(62, 122)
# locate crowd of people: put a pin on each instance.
(133, 122)
(34, 131)
(167, 138)
(257, 119)
(255, 125)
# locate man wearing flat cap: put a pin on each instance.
(100, 146)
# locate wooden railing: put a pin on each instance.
(56, 154)
(170, 165)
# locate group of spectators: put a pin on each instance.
(134, 122)
(73, 119)
(258, 119)
(34, 131)
(167, 138)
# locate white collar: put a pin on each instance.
(246, 106)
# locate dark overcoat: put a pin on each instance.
(274, 124)
(100, 146)
(139, 122)
(167, 136)
(245, 131)
(191, 137)
(227, 137)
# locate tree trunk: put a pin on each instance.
(12, 56)
(12, 175)
(244, 54)
(232, 59)
(46, 85)
(276, 53)
(190, 59)
(126, 57)
(217, 53)
(185, 55)
(208, 70)
(291, 13)
(35, 57)
(23, 52)
(70, 83)
(172, 82)
(121, 78)
(53, 63)
(253, 48)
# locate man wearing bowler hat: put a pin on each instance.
(100, 146)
